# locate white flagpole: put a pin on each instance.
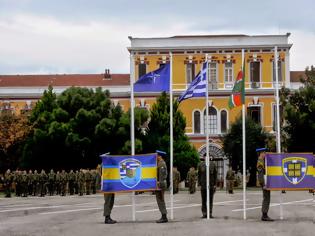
(278, 119)
(207, 137)
(244, 146)
(171, 137)
(132, 125)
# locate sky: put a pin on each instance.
(89, 36)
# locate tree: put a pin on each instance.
(158, 135)
(232, 145)
(300, 115)
(13, 131)
(73, 129)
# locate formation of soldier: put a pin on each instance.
(33, 183)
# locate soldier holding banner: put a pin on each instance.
(261, 169)
(162, 185)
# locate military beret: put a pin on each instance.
(261, 149)
(161, 153)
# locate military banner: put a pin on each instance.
(290, 171)
(129, 173)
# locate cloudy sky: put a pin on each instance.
(87, 36)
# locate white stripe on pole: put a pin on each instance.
(207, 139)
(132, 126)
(171, 136)
(278, 119)
(244, 146)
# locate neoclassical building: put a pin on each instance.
(20, 92)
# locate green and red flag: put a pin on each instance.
(237, 97)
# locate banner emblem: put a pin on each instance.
(130, 172)
(294, 169)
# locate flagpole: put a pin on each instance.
(278, 119)
(171, 136)
(207, 137)
(132, 126)
(244, 145)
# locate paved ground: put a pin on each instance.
(73, 215)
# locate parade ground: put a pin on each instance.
(74, 215)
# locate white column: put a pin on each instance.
(207, 137)
(171, 137)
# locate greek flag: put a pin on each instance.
(197, 87)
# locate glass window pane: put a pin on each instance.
(223, 121)
(197, 122)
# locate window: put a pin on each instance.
(279, 71)
(254, 113)
(190, 72)
(142, 69)
(212, 74)
(274, 116)
(213, 126)
(255, 74)
(197, 122)
(223, 121)
(228, 72)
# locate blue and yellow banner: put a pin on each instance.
(129, 173)
(290, 171)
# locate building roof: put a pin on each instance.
(295, 76)
(64, 80)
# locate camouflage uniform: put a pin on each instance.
(18, 184)
(159, 194)
(191, 179)
(35, 183)
(63, 182)
(202, 181)
(230, 178)
(266, 193)
(58, 183)
(7, 180)
(42, 183)
(51, 182)
(24, 183)
(88, 180)
(30, 182)
(81, 181)
(176, 180)
(94, 179)
(71, 179)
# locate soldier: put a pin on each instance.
(24, 183)
(81, 181)
(162, 185)
(88, 180)
(261, 178)
(109, 199)
(202, 181)
(94, 179)
(8, 178)
(30, 182)
(42, 183)
(63, 182)
(71, 179)
(58, 183)
(230, 178)
(76, 183)
(17, 181)
(191, 179)
(35, 183)
(51, 181)
(176, 180)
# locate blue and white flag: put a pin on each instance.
(197, 87)
(154, 81)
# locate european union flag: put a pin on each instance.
(154, 81)
(129, 173)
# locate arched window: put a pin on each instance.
(197, 122)
(223, 121)
(213, 121)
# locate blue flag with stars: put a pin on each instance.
(154, 81)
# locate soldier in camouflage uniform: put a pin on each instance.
(88, 180)
(176, 180)
(261, 179)
(35, 183)
(162, 185)
(58, 183)
(71, 179)
(202, 182)
(94, 179)
(51, 182)
(7, 180)
(24, 183)
(18, 184)
(81, 182)
(230, 178)
(191, 179)
(76, 183)
(30, 182)
(42, 183)
(63, 182)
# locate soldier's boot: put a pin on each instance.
(163, 219)
(265, 217)
(109, 220)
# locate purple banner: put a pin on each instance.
(290, 171)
